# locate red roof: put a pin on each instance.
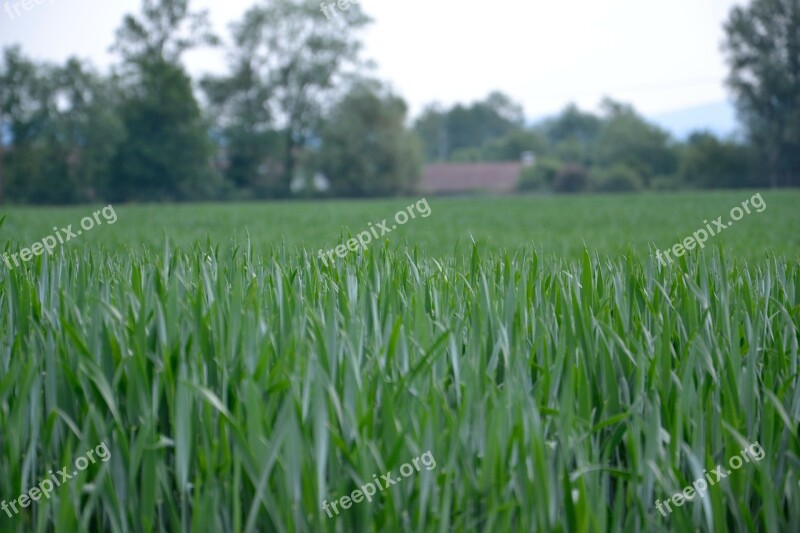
(499, 178)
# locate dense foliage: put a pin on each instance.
(763, 49)
(265, 129)
(599, 143)
(352, 148)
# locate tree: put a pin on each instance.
(166, 155)
(87, 132)
(431, 128)
(366, 148)
(572, 134)
(167, 152)
(572, 178)
(240, 104)
(762, 46)
(164, 32)
(479, 123)
(627, 138)
(20, 108)
(456, 134)
(708, 162)
(506, 108)
(467, 155)
(541, 176)
(28, 105)
(297, 64)
(511, 146)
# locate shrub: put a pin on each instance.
(571, 178)
(540, 176)
(618, 178)
(466, 155)
(667, 183)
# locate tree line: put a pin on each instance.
(297, 113)
(615, 150)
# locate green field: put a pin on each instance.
(557, 225)
(561, 378)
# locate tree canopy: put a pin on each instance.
(762, 46)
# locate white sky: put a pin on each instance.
(660, 56)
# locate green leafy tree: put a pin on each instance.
(626, 138)
(62, 127)
(163, 32)
(711, 163)
(541, 176)
(572, 134)
(294, 66)
(571, 149)
(366, 148)
(506, 108)
(87, 133)
(475, 125)
(456, 133)
(467, 155)
(572, 178)
(512, 145)
(763, 50)
(167, 152)
(240, 105)
(431, 128)
(23, 106)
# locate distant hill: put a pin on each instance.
(718, 117)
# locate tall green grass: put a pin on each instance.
(237, 390)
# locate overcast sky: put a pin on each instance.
(660, 56)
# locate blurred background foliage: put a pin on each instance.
(299, 114)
